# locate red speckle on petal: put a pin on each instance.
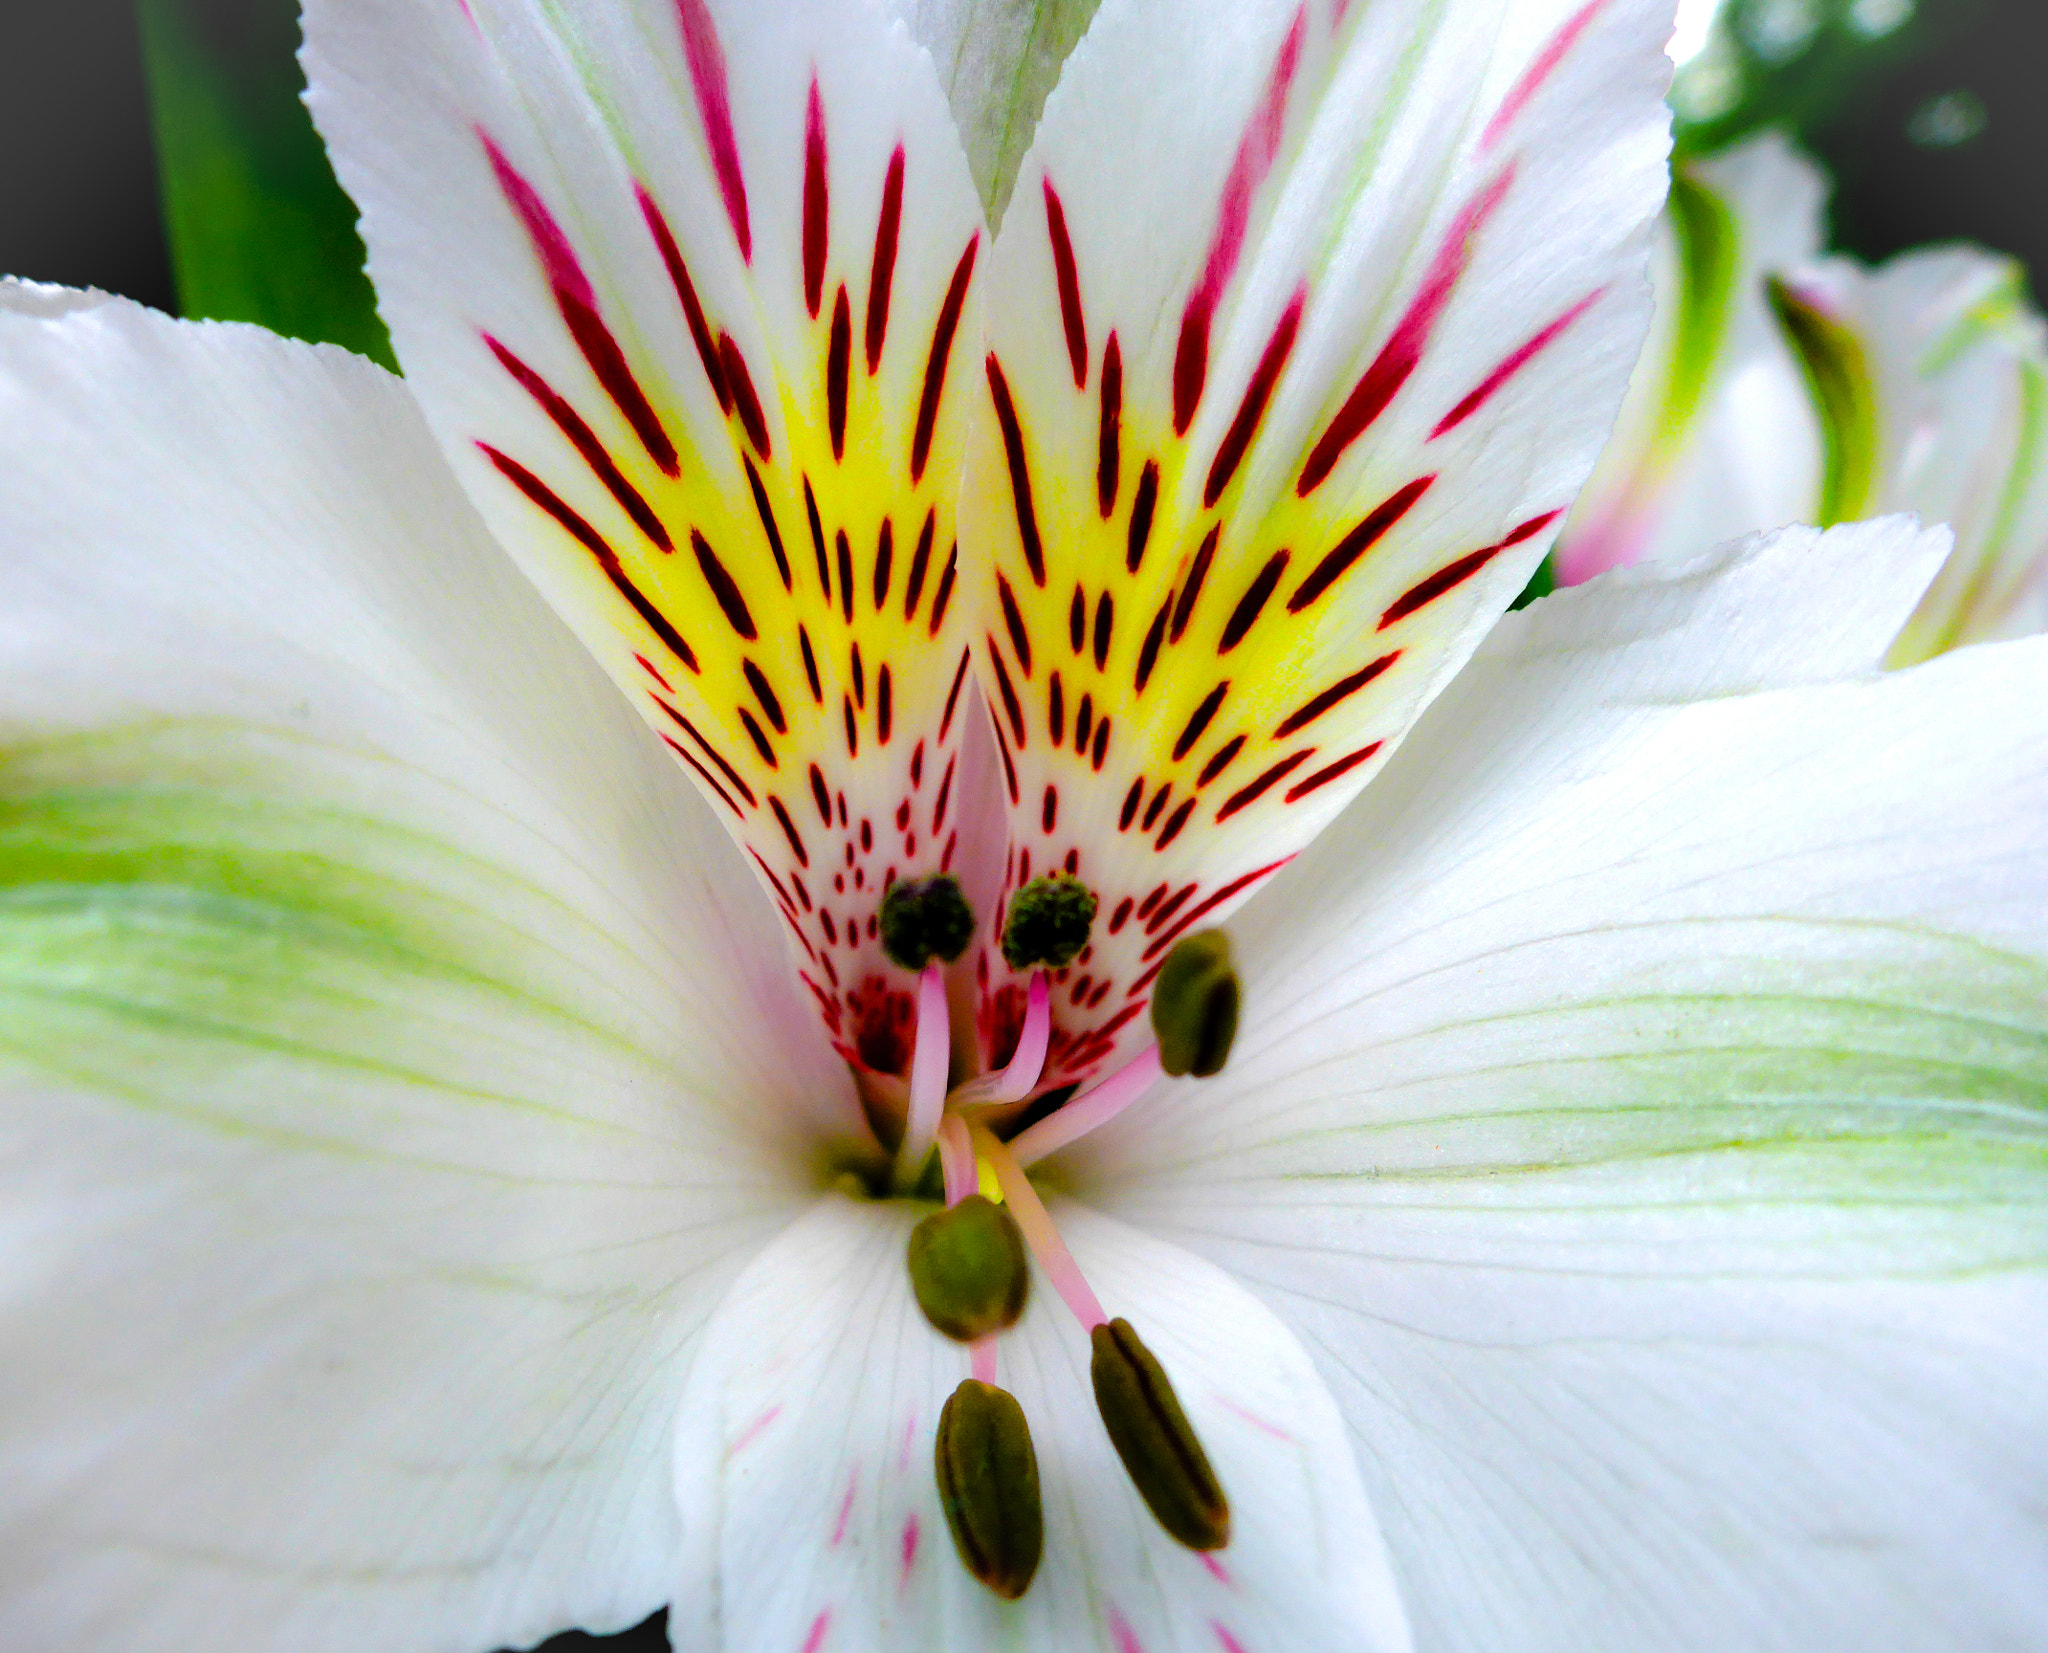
(1540, 70)
(707, 74)
(817, 208)
(1513, 365)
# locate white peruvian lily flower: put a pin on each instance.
(1782, 387)
(453, 1194)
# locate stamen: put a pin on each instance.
(957, 1162)
(1014, 1081)
(927, 1073)
(1062, 1273)
(1085, 1113)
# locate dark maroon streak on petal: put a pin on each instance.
(941, 353)
(1539, 71)
(707, 75)
(1253, 408)
(837, 366)
(803, 638)
(817, 208)
(1100, 749)
(1252, 603)
(1403, 350)
(586, 443)
(1055, 711)
(1105, 618)
(1198, 720)
(845, 574)
(920, 560)
(860, 679)
(1148, 651)
(1108, 439)
(1068, 281)
(945, 795)
(1226, 754)
(882, 272)
(703, 774)
(885, 705)
(1049, 810)
(1129, 812)
(764, 692)
(1190, 594)
(1011, 707)
(558, 259)
(759, 739)
(1327, 774)
(1020, 472)
(817, 541)
(686, 295)
(1305, 714)
(1174, 822)
(1154, 807)
(945, 591)
(1142, 506)
(1077, 620)
(1208, 904)
(1424, 592)
(1370, 529)
(722, 587)
(821, 796)
(1172, 906)
(885, 547)
(710, 751)
(766, 513)
(852, 726)
(789, 831)
(1513, 365)
(1256, 789)
(745, 403)
(1256, 152)
(1084, 722)
(589, 538)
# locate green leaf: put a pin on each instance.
(259, 230)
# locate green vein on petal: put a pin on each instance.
(1844, 395)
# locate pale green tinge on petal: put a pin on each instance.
(997, 60)
(1645, 1117)
(392, 1072)
(1839, 381)
(1707, 240)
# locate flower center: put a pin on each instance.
(968, 1261)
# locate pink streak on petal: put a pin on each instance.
(819, 1625)
(1217, 1570)
(1402, 352)
(910, 1532)
(1260, 1423)
(1125, 1637)
(1539, 71)
(707, 74)
(556, 255)
(1513, 365)
(845, 1509)
(927, 1071)
(1089, 1110)
(1230, 1643)
(1256, 152)
(752, 1432)
(903, 1450)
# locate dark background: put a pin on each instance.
(78, 199)
(79, 191)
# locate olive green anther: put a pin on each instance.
(988, 1487)
(1048, 922)
(924, 918)
(1194, 1006)
(969, 1269)
(1153, 1437)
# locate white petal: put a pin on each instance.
(1638, 1111)
(737, 479)
(1718, 436)
(806, 1481)
(390, 1077)
(997, 59)
(1336, 303)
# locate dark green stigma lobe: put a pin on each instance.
(1049, 922)
(923, 919)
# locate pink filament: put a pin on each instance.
(1061, 1271)
(956, 1159)
(927, 1073)
(1014, 1082)
(984, 1354)
(1086, 1112)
